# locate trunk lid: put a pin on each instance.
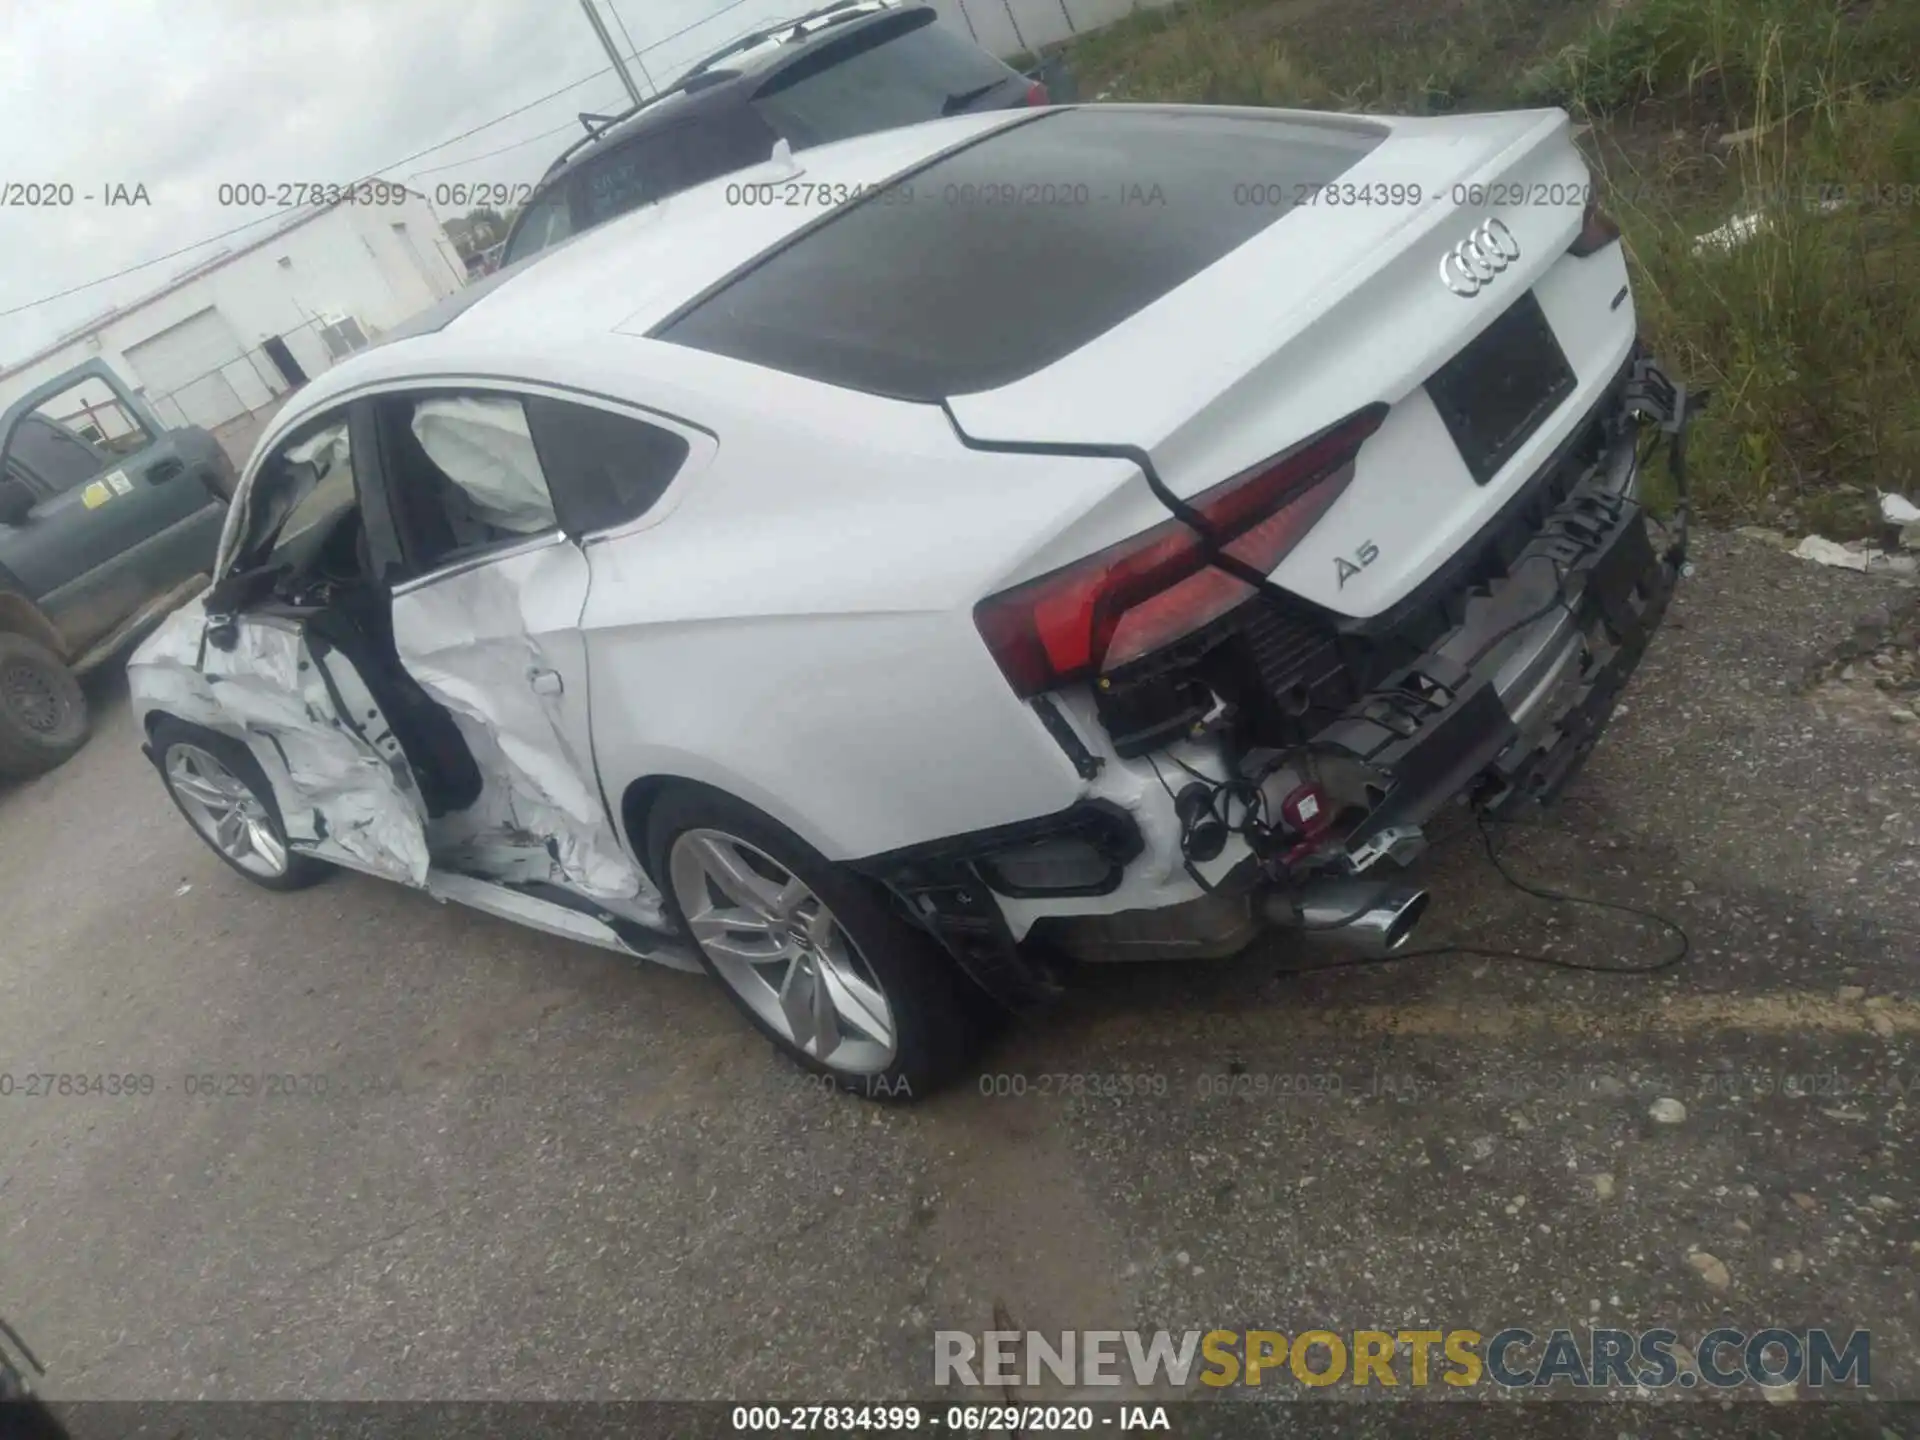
(1340, 304)
(1337, 303)
(1210, 286)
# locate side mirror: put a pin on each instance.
(16, 500)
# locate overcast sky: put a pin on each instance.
(182, 95)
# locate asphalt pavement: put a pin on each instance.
(382, 1148)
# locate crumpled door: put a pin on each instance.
(499, 644)
(345, 791)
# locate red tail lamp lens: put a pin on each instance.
(1142, 594)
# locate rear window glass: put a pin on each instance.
(1000, 258)
(893, 73)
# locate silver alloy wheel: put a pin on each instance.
(26, 690)
(780, 949)
(224, 808)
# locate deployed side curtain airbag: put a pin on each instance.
(326, 451)
(483, 446)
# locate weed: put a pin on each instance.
(1799, 112)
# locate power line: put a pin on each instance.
(143, 265)
(734, 5)
(489, 124)
(637, 52)
(278, 215)
(489, 154)
(645, 74)
(391, 165)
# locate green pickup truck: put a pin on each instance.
(107, 521)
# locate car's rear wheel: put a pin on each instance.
(810, 952)
(221, 789)
(43, 714)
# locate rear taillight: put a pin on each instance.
(1036, 94)
(1597, 231)
(1144, 593)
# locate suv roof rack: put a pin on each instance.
(597, 125)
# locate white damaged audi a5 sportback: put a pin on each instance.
(893, 574)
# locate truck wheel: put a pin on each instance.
(810, 954)
(226, 797)
(43, 714)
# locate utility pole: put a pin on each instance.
(606, 43)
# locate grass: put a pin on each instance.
(1806, 111)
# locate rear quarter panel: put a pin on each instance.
(798, 631)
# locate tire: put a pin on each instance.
(43, 714)
(186, 753)
(844, 932)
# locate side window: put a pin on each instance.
(605, 469)
(548, 223)
(74, 436)
(56, 457)
(462, 474)
(640, 171)
(724, 142)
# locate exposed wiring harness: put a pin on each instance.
(1210, 810)
(1205, 808)
(1486, 825)
(1650, 395)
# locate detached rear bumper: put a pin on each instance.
(1506, 707)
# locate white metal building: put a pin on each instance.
(219, 344)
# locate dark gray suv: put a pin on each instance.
(846, 70)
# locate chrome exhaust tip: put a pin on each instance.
(1370, 917)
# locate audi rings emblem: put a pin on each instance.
(1469, 267)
